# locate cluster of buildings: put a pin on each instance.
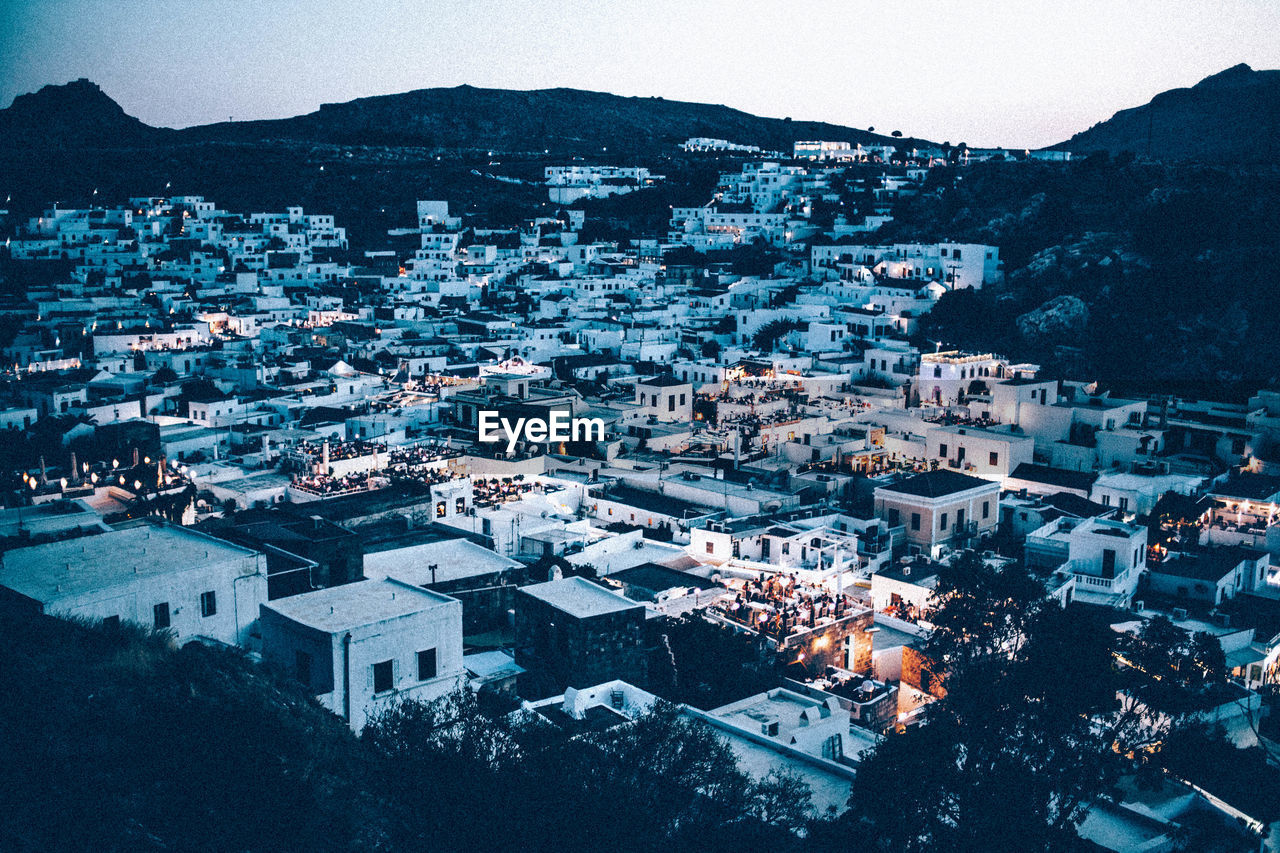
(232, 428)
(567, 184)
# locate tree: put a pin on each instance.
(1166, 675)
(770, 333)
(1012, 743)
(781, 799)
(656, 782)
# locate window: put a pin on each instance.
(426, 664)
(986, 509)
(460, 506)
(208, 603)
(1106, 500)
(942, 451)
(161, 614)
(994, 459)
(942, 522)
(302, 667)
(441, 509)
(671, 403)
(383, 679)
(893, 517)
(1124, 504)
(711, 547)
(1108, 563)
(937, 372)
(915, 521)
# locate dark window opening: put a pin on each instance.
(426, 664)
(382, 677)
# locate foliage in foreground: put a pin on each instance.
(113, 740)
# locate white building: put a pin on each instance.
(1106, 557)
(364, 647)
(992, 454)
(567, 184)
(156, 575)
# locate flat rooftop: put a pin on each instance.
(936, 484)
(454, 559)
(352, 605)
(579, 597)
(657, 578)
(653, 501)
(780, 704)
(1057, 477)
(73, 567)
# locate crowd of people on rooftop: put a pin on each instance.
(413, 457)
(339, 450)
(327, 485)
(780, 606)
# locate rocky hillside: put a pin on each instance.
(1148, 276)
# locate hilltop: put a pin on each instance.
(1232, 115)
(555, 121)
(78, 114)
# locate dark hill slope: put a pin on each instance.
(1233, 115)
(559, 121)
(76, 115)
(112, 740)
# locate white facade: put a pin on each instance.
(154, 575)
(364, 647)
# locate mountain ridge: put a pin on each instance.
(1234, 113)
(71, 114)
(558, 120)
